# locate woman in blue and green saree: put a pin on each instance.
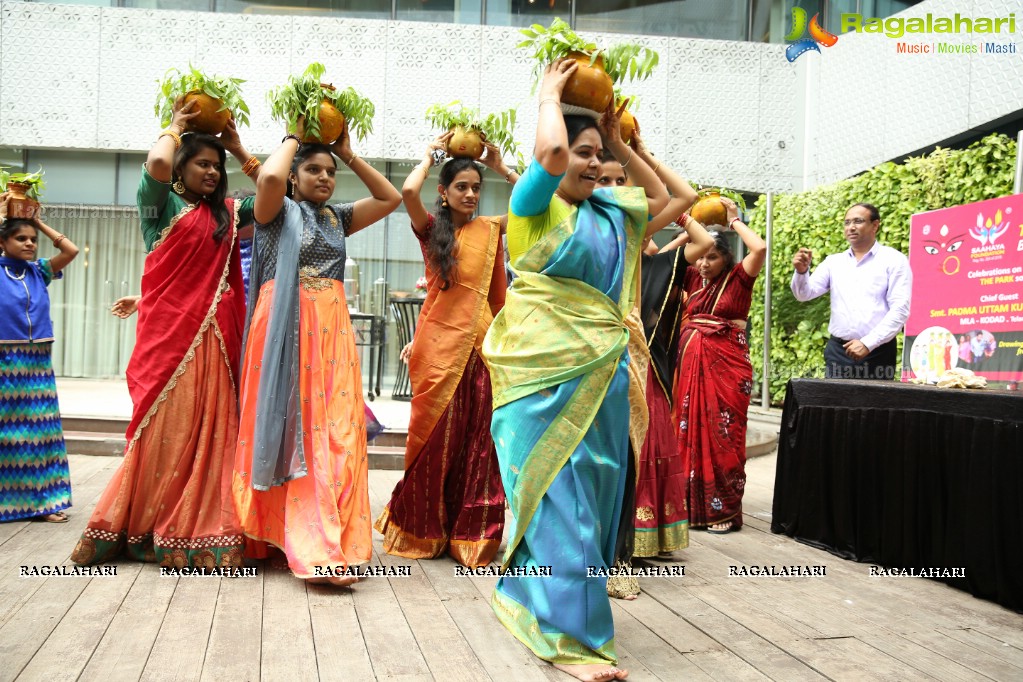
(559, 369)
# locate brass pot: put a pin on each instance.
(19, 205)
(589, 87)
(212, 118)
(709, 210)
(466, 144)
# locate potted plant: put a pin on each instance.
(470, 129)
(217, 98)
(323, 107)
(26, 189)
(600, 69)
(708, 209)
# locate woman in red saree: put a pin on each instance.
(170, 500)
(451, 497)
(714, 379)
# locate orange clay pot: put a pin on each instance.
(332, 122)
(467, 144)
(709, 210)
(589, 87)
(211, 119)
(19, 205)
(628, 126)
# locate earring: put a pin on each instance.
(444, 201)
(178, 186)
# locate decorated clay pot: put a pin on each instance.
(589, 87)
(19, 205)
(212, 118)
(466, 144)
(709, 210)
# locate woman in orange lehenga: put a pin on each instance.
(451, 497)
(169, 501)
(301, 477)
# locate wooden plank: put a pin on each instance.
(968, 654)
(11, 528)
(341, 652)
(502, 656)
(122, 653)
(676, 631)
(648, 645)
(71, 644)
(233, 651)
(724, 665)
(445, 650)
(180, 646)
(847, 658)
(287, 651)
(32, 624)
(45, 544)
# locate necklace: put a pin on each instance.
(16, 277)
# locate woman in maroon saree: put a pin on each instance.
(715, 378)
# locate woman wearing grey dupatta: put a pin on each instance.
(300, 477)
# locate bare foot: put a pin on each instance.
(345, 581)
(721, 528)
(593, 672)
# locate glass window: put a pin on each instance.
(772, 19)
(129, 172)
(189, 5)
(12, 159)
(719, 19)
(357, 9)
(76, 177)
(527, 12)
(449, 11)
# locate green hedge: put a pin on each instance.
(813, 219)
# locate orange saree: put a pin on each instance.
(451, 497)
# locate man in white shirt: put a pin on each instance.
(870, 291)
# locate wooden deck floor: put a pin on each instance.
(432, 625)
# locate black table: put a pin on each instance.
(906, 476)
(370, 331)
(406, 313)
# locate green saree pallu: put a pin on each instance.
(559, 367)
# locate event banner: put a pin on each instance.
(967, 308)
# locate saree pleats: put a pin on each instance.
(661, 516)
(168, 502)
(322, 518)
(451, 497)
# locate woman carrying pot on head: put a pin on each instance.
(654, 517)
(715, 378)
(34, 478)
(559, 367)
(301, 477)
(451, 498)
(169, 501)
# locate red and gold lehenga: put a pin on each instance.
(170, 499)
(712, 394)
(451, 497)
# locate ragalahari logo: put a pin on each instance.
(804, 45)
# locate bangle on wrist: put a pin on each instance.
(58, 239)
(351, 160)
(291, 136)
(628, 159)
(548, 99)
(657, 166)
(682, 220)
(250, 166)
(425, 168)
(507, 176)
(732, 222)
(173, 135)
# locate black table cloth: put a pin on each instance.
(906, 476)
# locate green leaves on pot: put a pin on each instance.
(176, 84)
(621, 61)
(497, 128)
(727, 193)
(34, 180)
(302, 96)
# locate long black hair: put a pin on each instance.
(305, 152)
(440, 249)
(192, 144)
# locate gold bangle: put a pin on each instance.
(59, 239)
(172, 134)
(507, 177)
(350, 161)
(425, 169)
(657, 166)
(548, 99)
(250, 166)
(628, 160)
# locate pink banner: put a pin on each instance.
(967, 307)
